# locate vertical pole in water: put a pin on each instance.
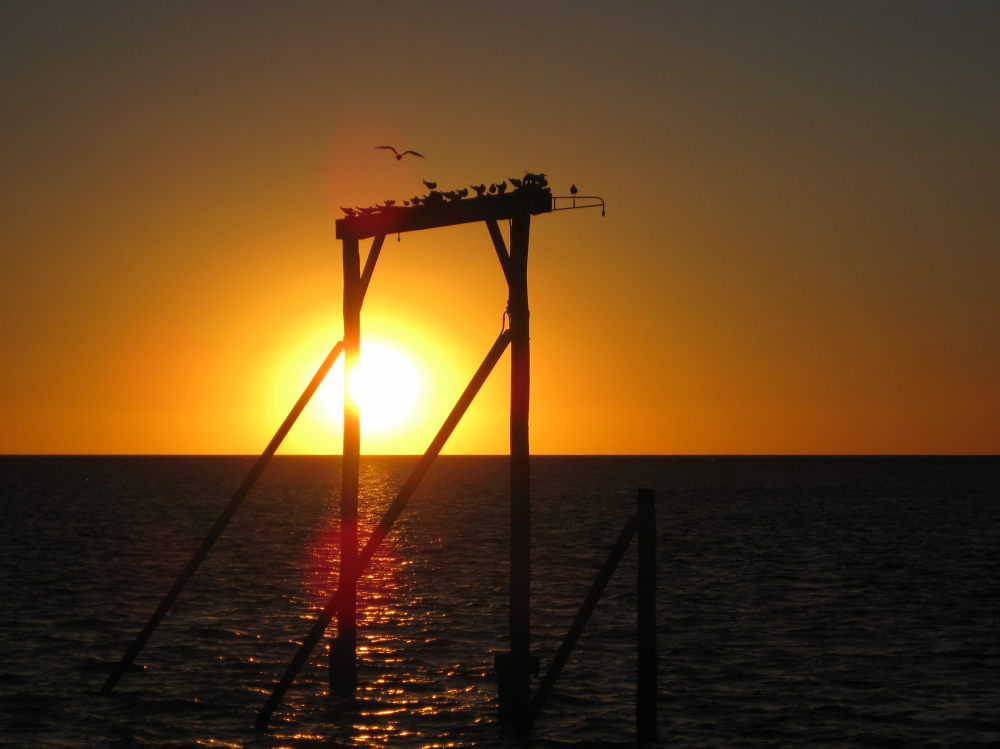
(343, 659)
(645, 698)
(515, 669)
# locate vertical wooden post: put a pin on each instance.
(515, 670)
(343, 652)
(645, 699)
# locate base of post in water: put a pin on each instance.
(514, 674)
(343, 669)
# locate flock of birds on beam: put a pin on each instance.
(438, 197)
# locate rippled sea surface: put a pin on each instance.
(801, 601)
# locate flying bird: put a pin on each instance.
(399, 156)
(430, 185)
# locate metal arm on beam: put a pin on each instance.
(574, 205)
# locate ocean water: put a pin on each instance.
(801, 601)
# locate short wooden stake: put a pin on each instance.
(646, 688)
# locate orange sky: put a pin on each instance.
(799, 256)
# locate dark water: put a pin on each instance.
(802, 602)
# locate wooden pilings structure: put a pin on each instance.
(515, 667)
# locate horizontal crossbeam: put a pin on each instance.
(397, 219)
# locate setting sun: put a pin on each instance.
(384, 385)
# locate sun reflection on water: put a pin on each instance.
(401, 691)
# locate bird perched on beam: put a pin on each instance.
(399, 156)
(430, 185)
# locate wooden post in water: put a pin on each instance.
(514, 670)
(645, 698)
(343, 650)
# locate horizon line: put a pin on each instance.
(507, 455)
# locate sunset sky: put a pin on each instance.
(801, 252)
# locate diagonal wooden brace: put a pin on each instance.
(378, 535)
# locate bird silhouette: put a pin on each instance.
(515, 182)
(349, 212)
(430, 185)
(572, 190)
(399, 156)
(480, 189)
(493, 188)
(502, 187)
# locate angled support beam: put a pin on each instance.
(366, 274)
(349, 577)
(500, 246)
(223, 519)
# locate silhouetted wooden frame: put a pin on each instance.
(517, 666)
(518, 207)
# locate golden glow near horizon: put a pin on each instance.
(799, 253)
